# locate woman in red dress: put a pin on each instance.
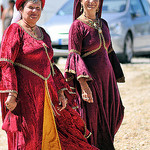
(33, 91)
(92, 70)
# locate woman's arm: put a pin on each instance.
(86, 91)
(11, 101)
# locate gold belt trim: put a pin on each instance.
(74, 51)
(31, 70)
(93, 51)
(25, 67)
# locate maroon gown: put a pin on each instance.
(91, 56)
(27, 68)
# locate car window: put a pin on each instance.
(67, 9)
(114, 5)
(137, 8)
(146, 6)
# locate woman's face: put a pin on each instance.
(90, 5)
(31, 11)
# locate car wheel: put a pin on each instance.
(128, 49)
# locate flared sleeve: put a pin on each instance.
(75, 67)
(9, 49)
(114, 61)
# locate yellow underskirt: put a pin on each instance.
(50, 140)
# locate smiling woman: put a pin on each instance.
(36, 100)
(92, 70)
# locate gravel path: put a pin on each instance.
(134, 133)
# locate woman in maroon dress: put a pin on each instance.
(32, 88)
(92, 70)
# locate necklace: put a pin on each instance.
(95, 24)
(31, 27)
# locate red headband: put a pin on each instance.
(20, 2)
(77, 7)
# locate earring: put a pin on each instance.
(97, 10)
(81, 9)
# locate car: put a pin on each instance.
(128, 21)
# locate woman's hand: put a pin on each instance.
(62, 100)
(86, 91)
(11, 102)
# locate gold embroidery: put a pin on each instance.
(74, 51)
(42, 36)
(31, 70)
(83, 76)
(88, 135)
(50, 98)
(70, 71)
(87, 22)
(93, 51)
(53, 72)
(5, 59)
(100, 35)
(7, 91)
(104, 42)
(73, 88)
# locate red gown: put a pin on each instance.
(27, 68)
(91, 56)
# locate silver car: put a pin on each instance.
(128, 20)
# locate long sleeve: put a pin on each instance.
(9, 50)
(114, 60)
(116, 65)
(75, 66)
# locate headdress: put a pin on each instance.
(20, 2)
(77, 7)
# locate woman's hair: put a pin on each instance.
(34, 1)
(11, 1)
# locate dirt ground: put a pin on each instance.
(134, 133)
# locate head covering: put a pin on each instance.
(77, 7)
(20, 2)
